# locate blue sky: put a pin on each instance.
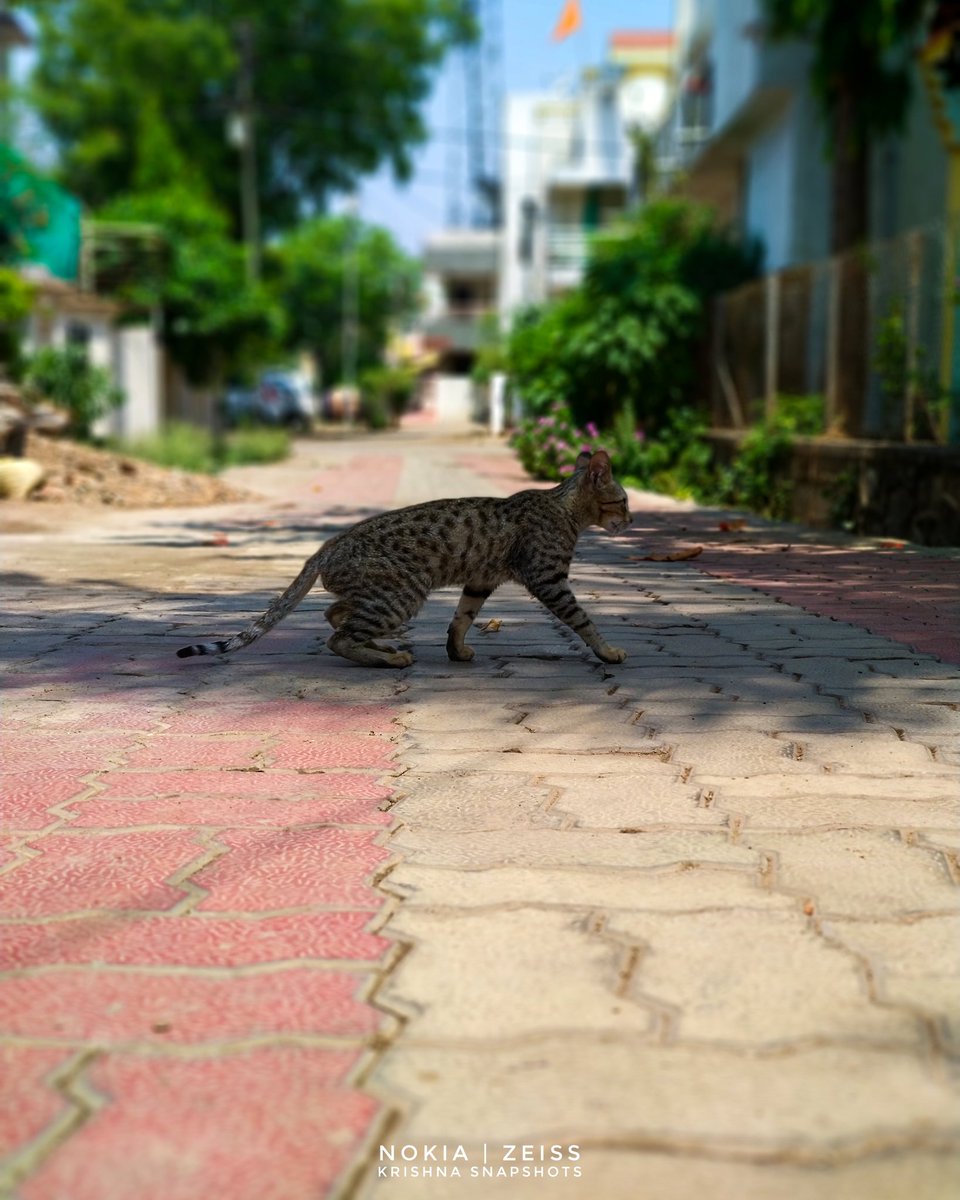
(529, 60)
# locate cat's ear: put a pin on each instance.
(582, 459)
(600, 470)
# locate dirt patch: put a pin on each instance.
(78, 474)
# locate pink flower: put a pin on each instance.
(592, 430)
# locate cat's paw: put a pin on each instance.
(400, 659)
(460, 653)
(611, 654)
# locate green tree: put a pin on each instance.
(213, 321)
(306, 271)
(139, 92)
(629, 334)
(863, 58)
(16, 301)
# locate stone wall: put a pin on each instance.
(884, 489)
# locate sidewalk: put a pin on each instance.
(269, 921)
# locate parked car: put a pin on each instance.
(280, 398)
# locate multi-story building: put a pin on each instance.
(568, 164)
(745, 134)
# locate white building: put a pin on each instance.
(745, 134)
(568, 164)
(460, 292)
(63, 314)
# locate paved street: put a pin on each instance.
(279, 927)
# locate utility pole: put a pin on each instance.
(243, 136)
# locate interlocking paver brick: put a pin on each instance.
(810, 990)
(293, 716)
(111, 1008)
(614, 803)
(74, 872)
(274, 869)
(341, 800)
(267, 785)
(801, 1104)
(914, 964)
(191, 941)
(28, 796)
(274, 1123)
(493, 996)
(871, 873)
(622, 905)
(28, 1100)
(478, 800)
(685, 887)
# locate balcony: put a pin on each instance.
(459, 329)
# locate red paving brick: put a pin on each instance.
(277, 1123)
(28, 797)
(306, 718)
(268, 811)
(351, 803)
(266, 785)
(192, 941)
(911, 598)
(28, 1101)
(74, 872)
(30, 750)
(112, 1008)
(191, 751)
(268, 870)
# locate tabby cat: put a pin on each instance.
(382, 569)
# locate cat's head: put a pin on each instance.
(607, 498)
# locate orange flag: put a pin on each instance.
(570, 21)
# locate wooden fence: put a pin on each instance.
(871, 331)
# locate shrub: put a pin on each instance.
(629, 332)
(386, 394)
(67, 378)
(191, 448)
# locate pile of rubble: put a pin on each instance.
(78, 474)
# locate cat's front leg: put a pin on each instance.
(554, 592)
(471, 601)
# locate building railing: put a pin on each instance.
(567, 247)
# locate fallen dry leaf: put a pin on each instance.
(218, 539)
(677, 556)
(732, 526)
(491, 626)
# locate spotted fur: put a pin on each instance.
(382, 570)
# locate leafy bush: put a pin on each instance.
(678, 460)
(16, 301)
(751, 480)
(548, 445)
(629, 333)
(67, 378)
(803, 415)
(386, 394)
(191, 448)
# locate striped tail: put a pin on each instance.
(284, 604)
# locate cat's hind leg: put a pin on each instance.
(362, 620)
(471, 601)
(337, 613)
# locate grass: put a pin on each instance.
(191, 448)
